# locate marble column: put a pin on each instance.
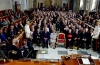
(77, 5)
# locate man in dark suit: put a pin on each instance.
(89, 38)
(14, 52)
(16, 27)
(83, 38)
(38, 37)
(76, 38)
(69, 38)
(28, 50)
(46, 37)
(12, 32)
(12, 19)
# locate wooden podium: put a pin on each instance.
(77, 60)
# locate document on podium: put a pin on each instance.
(85, 61)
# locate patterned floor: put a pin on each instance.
(50, 53)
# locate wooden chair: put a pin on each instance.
(61, 39)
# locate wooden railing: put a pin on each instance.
(86, 24)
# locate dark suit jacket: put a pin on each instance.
(20, 27)
(12, 33)
(76, 35)
(6, 34)
(16, 28)
(88, 36)
(38, 36)
(83, 36)
(46, 35)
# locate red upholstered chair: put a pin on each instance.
(61, 39)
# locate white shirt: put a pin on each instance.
(27, 29)
(96, 32)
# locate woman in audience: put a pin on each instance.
(53, 39)
(4, 23)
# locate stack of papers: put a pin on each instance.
(93, 57)
(85, 61)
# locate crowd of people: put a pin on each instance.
(43, 31)
(93, 20)
(11, 23)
